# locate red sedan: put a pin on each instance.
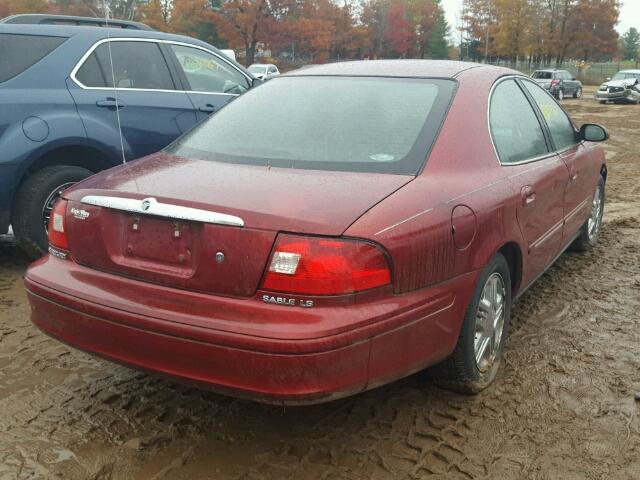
(333, 230)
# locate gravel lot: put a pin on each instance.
(562, 407)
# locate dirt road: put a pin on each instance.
(562, 407)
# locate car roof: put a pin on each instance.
(68, 20)
(631, 70)
(550, 70)
(398, 68)
(93, 34)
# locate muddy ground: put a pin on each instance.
(562, 407)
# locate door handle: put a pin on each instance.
(110, 102)
(208, 108)
(528, 195)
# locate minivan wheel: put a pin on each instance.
(577, 93)
(475, 361)
(34, 203)
(590, 231)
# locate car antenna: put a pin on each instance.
(113, 77)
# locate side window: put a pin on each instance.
(515, 128)
(562, 131)
(272, 69)
(207, 73)
(19, 52)
(139, 65)
(90, 73)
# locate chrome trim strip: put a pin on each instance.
(577, 210)
(148, 40)
(150, 206)
(545, 236)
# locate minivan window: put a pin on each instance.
(138, 65)
(363, 124)
(516, 131)
(562, 130)
(19, 52)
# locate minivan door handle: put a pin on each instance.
(208, 108)
(110, 102)
(528, 195)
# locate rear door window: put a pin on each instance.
(562, 131)
(136, 65)
(206, 72)
(516, 131)
(19, 52)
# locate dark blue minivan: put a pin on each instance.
(66, 93)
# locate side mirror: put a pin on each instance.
(256, 81)
(573, 78)
(593, 133)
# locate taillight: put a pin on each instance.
(554, 83)
(325, 266)
(57, 234)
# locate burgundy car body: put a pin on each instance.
(210, 323)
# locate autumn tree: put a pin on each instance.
(631, 44)
(242, 22)
(398, 31)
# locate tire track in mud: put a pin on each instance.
(562, 405)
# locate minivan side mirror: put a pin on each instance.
(591, 132)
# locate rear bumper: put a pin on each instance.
(275, 367)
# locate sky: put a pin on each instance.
(629, 14)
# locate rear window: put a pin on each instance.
(19, 52)
(542, 75)
(363, 124)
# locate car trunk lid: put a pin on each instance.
(208, 226)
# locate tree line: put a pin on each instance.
(294, 30)
(546, 32)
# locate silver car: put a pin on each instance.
(560, 83)
(623, 87)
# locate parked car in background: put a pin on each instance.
(62, 107)
(264, 71)
(350, 240)
(623, 87)
(229, 53)
(560, 83)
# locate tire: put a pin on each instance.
(602, 102)
(461, 371)
(590, 231)
(560, 94)
(28, 215)
(577, 93)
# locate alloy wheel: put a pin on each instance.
(48, 203)
(593, 224)
(579, 93)
(560, 95)
(489, 322)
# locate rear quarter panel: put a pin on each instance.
(414, 225)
